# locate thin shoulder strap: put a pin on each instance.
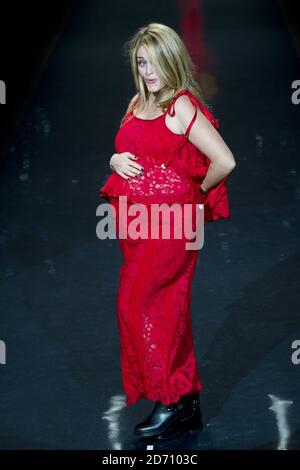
(196, 102)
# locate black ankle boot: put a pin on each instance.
(189, 417)
(191, 412)
(162, 418)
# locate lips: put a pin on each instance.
(151, 81)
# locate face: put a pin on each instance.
(147, 70)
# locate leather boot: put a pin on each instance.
(189, 417)
(191, 412)
(162, 418)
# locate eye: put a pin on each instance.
(141, 62)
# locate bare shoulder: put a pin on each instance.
(185, 109)
(183, 112)
(183, 103)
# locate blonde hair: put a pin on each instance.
(172, 63)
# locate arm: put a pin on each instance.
(208, 140)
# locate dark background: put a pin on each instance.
(29, 33)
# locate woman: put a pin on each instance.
(168, 152)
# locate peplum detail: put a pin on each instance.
(173, 167)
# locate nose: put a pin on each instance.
(149, 69)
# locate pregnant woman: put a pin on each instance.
(168, 151)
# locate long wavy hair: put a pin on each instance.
(172, 63)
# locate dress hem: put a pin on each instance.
(157, 397)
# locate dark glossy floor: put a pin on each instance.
(61, 385)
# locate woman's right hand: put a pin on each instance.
(124, 164)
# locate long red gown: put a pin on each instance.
(155, 289)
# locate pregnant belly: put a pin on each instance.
(161, 185)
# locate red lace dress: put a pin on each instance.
(155, 288)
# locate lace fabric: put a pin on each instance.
(174, 167)
(153, 310)
(155, 290)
